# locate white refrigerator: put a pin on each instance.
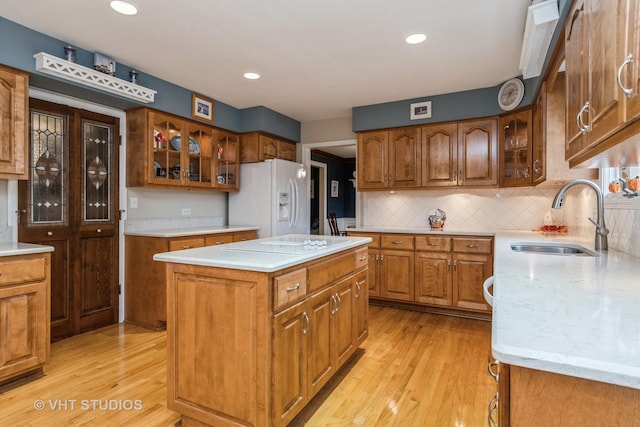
(274, 195)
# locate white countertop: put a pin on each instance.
(421, 230)
(191, 231)
(571, 315)
(17, 248)
(265, 255)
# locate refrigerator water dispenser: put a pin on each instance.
(284, 206)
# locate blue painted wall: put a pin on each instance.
(344, 205)
(453, 106)
(18, 44)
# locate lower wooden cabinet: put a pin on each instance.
(145, 297)
(25, 282)
(252, 348)
(444, 271)
(529, 397)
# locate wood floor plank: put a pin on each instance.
(414, 370)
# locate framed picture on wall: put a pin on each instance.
(334, 188)
(421, 110)
(201, 107)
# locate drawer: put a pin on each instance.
(218, 239)
(475, 245)
(396, 241)
(245, 235)
(433, 243)
(289, 288)
(15, 270)
(180, 244)
(329, 270)
(362, 258)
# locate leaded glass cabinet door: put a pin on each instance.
(44, 204)
(98, 299)
(70, 202)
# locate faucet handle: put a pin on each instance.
(602, 230)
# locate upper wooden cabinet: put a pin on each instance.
(167, 150)
(478, 153)
(258, 147)
(602, 68)
(14, 107)
(389, 159)
(516, 149)
(440, 155)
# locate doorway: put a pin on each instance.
(318, 211)
(71, 202)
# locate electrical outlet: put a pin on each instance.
(133, 202)
(186, 211)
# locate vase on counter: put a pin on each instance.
(437, 219)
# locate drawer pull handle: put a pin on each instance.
(363, 258)
(186, 247)
(434, 244)
(219, 243)
(49, 233)
(293, 288)
(472, 246)
(397, 243)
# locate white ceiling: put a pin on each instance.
(317, 58)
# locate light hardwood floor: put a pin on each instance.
(415, 369)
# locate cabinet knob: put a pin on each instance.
(49, 233)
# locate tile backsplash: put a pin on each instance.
(481, 209)
(500, 209)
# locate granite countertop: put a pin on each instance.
(188, 231)
(571, 315)
(264, 255)
(17, 248)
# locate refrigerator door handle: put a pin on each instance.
(294, 203)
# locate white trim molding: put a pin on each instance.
(71, 71)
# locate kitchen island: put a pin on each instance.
(566, 330)
(256, 328)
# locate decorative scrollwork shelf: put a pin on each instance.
(71, 71)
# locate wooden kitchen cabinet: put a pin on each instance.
(391, 159)
(532, 397)
(460, 154)
(450, 271)
(226, 161)
(396, 267)
(595, 39)
(472, 265)
(258, 147)
(478, 153)
(14, 123)
(164, 150)
(145, 293)
(289, 332)
(516, 149)
(25, 301)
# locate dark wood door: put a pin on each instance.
(70, 202)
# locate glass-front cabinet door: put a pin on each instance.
(515, 149)
(226, 160)
(165, 139)
(197, 171)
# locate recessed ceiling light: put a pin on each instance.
(251, 76)
(416, 38)
(123, 7)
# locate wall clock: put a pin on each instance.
(511, 94)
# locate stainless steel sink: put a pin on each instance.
(552, 248)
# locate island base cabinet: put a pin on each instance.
(241, 355)
(24, 315)
(539, 398)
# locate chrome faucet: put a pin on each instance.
(601, 243)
